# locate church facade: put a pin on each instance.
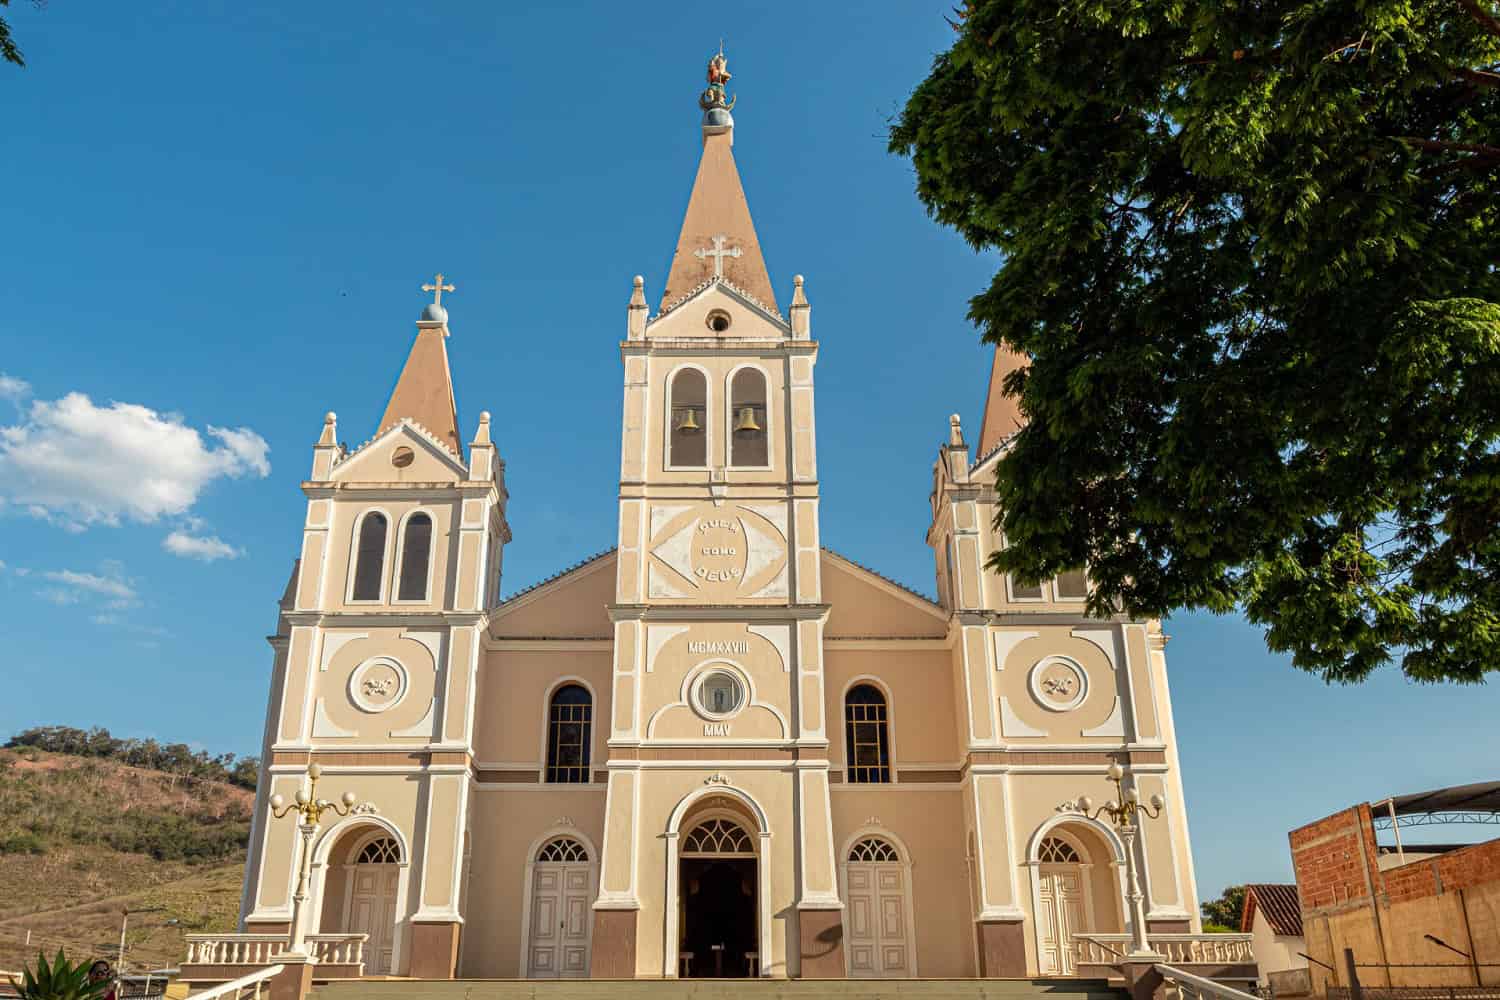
(718, 748)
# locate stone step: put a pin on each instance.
(744, 989)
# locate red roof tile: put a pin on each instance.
(1280, 904)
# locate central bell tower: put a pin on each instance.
(718, 702)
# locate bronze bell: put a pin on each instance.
(687, 423)
(744, 424)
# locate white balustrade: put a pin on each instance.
(233, 949)
(252, 987)
(337, 949)
(1177, 949)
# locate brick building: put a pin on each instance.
(1418, 916)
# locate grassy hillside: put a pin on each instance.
(83, 838)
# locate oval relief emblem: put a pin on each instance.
(378, 685)
(718, 550)
(1058, 683)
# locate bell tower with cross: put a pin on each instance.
(718, 612)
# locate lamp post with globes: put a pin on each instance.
(1122, 811)
(309, 810)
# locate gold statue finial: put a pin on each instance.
(718, 76)
(438, 289)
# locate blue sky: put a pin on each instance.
(217, 219)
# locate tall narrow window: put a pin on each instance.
(747, 418)
(416, 550)
(369, 557)
(687, 437)
(867, 743)
(1071, 586)
(568, 734)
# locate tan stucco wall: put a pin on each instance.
(1275, 952)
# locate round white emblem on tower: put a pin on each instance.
(378, 684)
(1058, 683)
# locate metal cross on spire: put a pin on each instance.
(438, 289)
(718, 253)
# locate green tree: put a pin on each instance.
(8, 49)
(1223, 914)
(61, 980)
(1250, 249)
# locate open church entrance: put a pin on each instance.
(717, 887)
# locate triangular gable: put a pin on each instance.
(738, 296)
(429, 453)
(572, 604)
(866, 604)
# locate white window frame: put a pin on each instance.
(353, 566)
(708, 421)
(400, 558)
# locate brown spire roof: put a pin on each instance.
(1002, 413)
(424, 392)
(717, 207)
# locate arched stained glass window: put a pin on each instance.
(563, 849)
(873, 849)
(867, 746)
(416, 551)
(369, 557)
(569, 718)
(1057, 851)
(381, 851)
(718, 836)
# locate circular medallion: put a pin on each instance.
(378, 684)
(1058, 683)
(719, 694)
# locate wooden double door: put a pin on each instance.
(879, 943)
(561, 894)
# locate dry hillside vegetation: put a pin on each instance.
(83, 838)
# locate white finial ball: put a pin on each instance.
(277, 802)
(315, 771)
(484, 416)
(638, 281)
(953, 420)
(797, 279)
(348, 799)
(330, 417)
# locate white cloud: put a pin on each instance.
(13, 388)
(78, 464)
(205, 547)
(74, 586)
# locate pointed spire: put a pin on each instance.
(1002, 413)
(424, 391)
(718, 237)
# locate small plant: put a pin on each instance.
(59, 981)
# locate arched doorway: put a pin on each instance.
(718, 900)
(1077, 886)
(559, 921)
(362, 894)
(880, 942)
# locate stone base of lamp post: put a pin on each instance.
(294, 981)
(1141, 976)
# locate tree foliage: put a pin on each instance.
(173, 758)
(1250, 247)
(9, 51)
(1226, 911)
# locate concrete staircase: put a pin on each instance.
(730, 989)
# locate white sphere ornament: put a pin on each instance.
(277, 802)
(348, 799)
(1084, 803)
(315, 772)
(1112, 806)
(1157, 801)
(1115, 772)
(1131, 795)
(302, 797)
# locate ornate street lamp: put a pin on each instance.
(1122, 810)
(309, 810)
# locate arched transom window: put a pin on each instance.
(416, 550)
(873, 849)
(369, 557)
(687, 435)
(569, 719)
(380, 851)
(1058, 851)
(563, 849)
(867, 746)
(718, 836)
(747, 419)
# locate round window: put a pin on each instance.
(720, 693)
(718, 321)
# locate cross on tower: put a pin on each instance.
(718, 253)
(438, 289)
